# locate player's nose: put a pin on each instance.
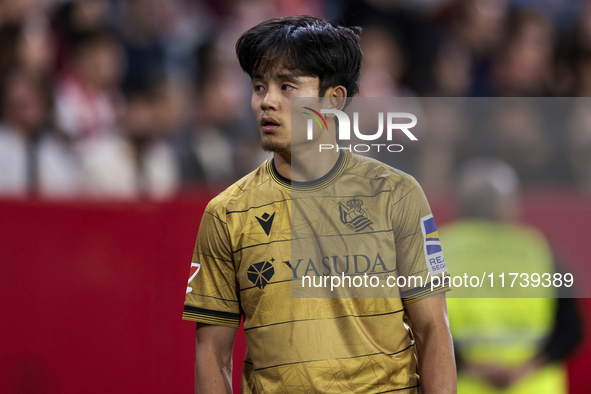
(270, 100)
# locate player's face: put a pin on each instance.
(271, 104)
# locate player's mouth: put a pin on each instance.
(268, 124)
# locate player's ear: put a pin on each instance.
(337, 97)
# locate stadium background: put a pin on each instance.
(120, 119)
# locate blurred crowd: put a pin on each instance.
(145, 98)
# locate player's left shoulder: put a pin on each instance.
(399, 181)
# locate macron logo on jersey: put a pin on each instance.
(432, 246)
(266, 221)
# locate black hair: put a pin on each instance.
(306, 45)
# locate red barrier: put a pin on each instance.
(93, 293)
(93, 297)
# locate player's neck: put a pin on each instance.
(305, 166)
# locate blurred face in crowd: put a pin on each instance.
(222, 96)
(101, 63)
(89, 14)
(525, 67)
(36, 49)
(139, 116)
(15, 11)
(147, 17)
(24, 104)
(383, 63)
(271, 104)
(483, 22)
(149, 113)
(531, 54)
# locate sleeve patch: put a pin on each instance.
(195, 267)
(434, 259)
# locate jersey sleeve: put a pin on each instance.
(211, 296)
(419, 256)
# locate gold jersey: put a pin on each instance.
(253, 250)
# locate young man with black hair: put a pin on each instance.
(243, 265)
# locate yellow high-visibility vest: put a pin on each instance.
(502, 331)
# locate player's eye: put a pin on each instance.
(287, 87)
(258, 88)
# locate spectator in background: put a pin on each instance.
(413, 34)
(582, 32)
(142, 38)
(16, 11)
(212, 147)
(519, 138)
(88, 99)
(138, 161)
(575, 56)
(447, 126)
(452, 70)
(34, 158)
(27, 46)
(72, 19)
(579, 143)
(36, 50)
(505, 345)
(474, 30)
(383, 64)
(529, 134)
(582, 73)
(524, 65)
(9, 38)
(441, 47)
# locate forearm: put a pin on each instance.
(213, 359)
(430, 325)
(213, 372)
(437, 367)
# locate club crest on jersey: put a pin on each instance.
(261, 273)
(353, 216)
(432, 246)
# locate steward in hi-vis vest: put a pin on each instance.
(509, 335)
(502, 331)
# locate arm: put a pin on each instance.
(563, 342)
(213, 362)
(565, 338)
(430, 326)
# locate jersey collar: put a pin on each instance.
(317, 184)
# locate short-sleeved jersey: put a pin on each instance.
(244, 266)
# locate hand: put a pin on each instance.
(495, 375)
(501, 377)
